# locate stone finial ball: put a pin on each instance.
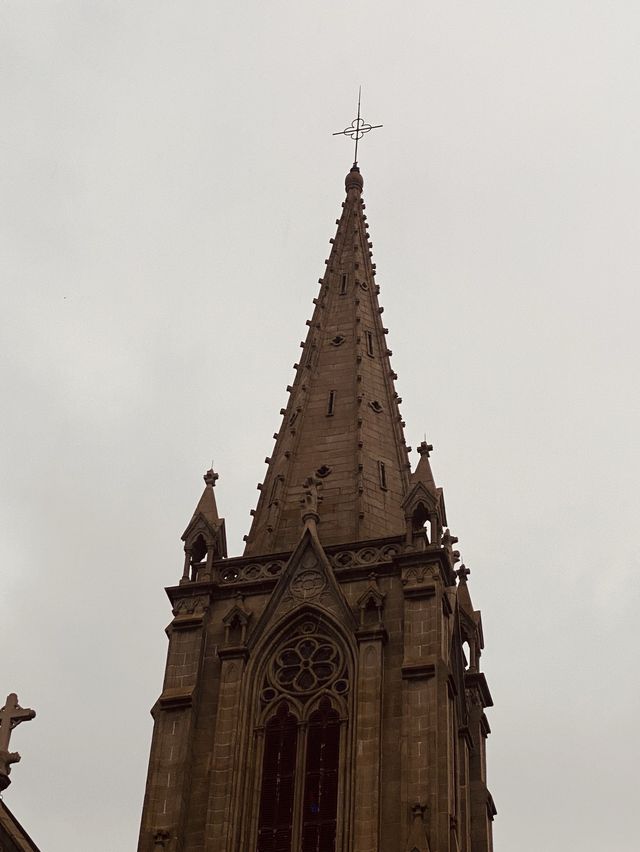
(354, 179)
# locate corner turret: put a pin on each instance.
(425, 513)
(205, 539)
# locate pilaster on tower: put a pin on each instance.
(342, 423)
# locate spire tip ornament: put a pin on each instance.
(356, 130)
(211, 477)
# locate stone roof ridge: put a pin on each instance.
(342, 423)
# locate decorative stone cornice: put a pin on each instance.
(426, 590)
(176, 698)
(377, 633)
(418, 671)
(234, 652)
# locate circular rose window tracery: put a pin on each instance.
(306, 663)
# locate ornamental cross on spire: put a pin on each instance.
(211, 477)
(357, 129)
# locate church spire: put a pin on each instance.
(342, 424)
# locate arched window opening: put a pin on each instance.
(278, 782)
(321, 780)
(420, 521)
(371, 615)
(198, 555)
(466, 655)
(234, 632)
(199, 550)
(304, 698)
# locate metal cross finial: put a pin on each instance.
(357, 129)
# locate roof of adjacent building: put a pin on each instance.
(13, 837)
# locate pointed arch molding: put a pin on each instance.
(307, 579)
(304, 648)
(303, 658)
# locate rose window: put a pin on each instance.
(306, 664)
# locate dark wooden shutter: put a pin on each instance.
(321, 781)
(278, 779)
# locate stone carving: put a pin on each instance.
(310, 496)
(307, 584)
(420, 573)
(252, 571)
(418, 840)
(364, 556)
(187, 606)
(448, 542)
(11, 715)
(305, 664)
(161, 838)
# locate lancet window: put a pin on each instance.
(304, 708)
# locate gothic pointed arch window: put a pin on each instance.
(321, 780)
(278, 780)
(303, 716)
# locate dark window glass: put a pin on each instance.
(278, 778)
(321, 781)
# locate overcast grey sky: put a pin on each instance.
(169, 185)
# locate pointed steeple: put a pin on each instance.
(205, 536)
(207, 505)
(342, 424)
(423, 472)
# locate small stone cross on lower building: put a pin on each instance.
(462, 573)
(11, 715)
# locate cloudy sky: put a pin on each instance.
(169, 185)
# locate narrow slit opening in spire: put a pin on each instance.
(368, 336)
(331, 403)
(382, 475)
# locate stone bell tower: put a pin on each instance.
(323, 691)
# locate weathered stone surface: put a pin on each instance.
(349, 559)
